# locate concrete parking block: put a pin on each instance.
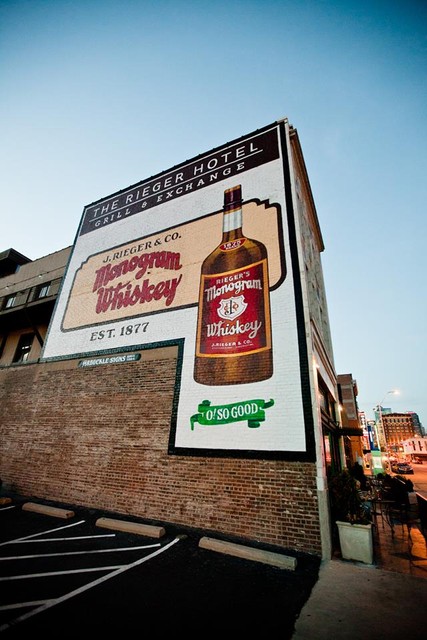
(131, 527)
(48, 511)
(249, 553)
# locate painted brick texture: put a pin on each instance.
(98, 437)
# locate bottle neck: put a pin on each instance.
(232, 223)
(232, 220)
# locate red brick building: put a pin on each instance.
(99, 406)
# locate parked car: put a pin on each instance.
(401, 467)
(417, 460)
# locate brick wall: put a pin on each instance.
(98, 437)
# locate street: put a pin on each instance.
(419, 478)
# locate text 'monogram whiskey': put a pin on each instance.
(233, 341)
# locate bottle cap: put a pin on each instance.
(233, 196)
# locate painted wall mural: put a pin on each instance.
(203, 256)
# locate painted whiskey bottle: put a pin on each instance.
(233, 340)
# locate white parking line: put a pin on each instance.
(12, 506)
(76, 553)
(21, 605)
(72, 538)
(71, 594)
(42, 533)
(26, 576)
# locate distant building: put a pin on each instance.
(398, 427)
(416, 447)
(364, 423)
(419, 430)
(28, 291)
(384, 411)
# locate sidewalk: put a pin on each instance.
(354, 601)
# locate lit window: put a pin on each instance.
(10, 302)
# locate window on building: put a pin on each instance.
(10, 301)
(323, 399)
(43, 291)
(24, 347)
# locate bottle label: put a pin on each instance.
(235, 312)
(232, 244)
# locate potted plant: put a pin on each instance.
(352, 518)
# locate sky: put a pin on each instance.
(97, 95)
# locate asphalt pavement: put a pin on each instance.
(63, 578)
(66, 577)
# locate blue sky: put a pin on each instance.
(98, 95)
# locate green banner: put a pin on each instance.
(251, 411)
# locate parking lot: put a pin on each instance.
(65, 576)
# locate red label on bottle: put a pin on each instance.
(232, 244)
(235, 318)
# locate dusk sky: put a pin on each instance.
(97, 95)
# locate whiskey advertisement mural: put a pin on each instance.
(204, 257)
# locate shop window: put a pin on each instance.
(327, 447)
(24, 347)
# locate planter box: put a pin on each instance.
(356, 542)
